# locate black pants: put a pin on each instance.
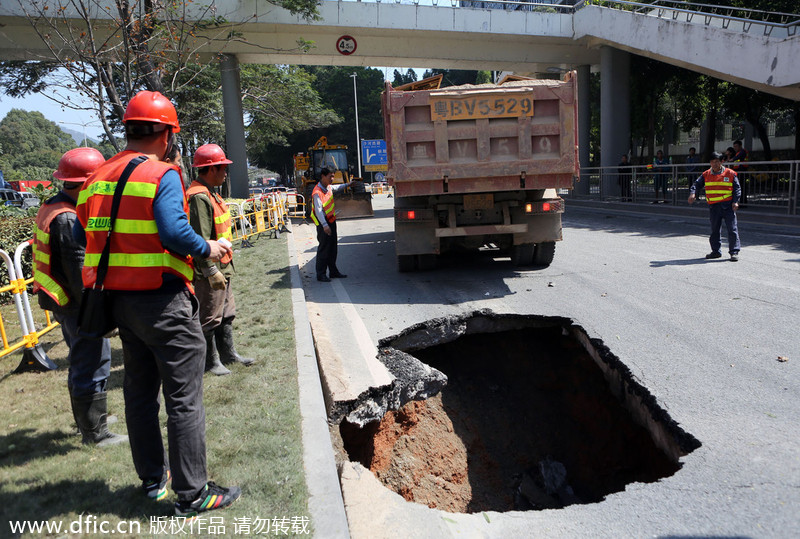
(164, 349)
(327, 251)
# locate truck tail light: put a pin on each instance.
(528, 207)
(546, 206)
(411, 215)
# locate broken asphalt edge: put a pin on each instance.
(325, 503)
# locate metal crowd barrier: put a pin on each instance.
(380, 188)
(258, 215)
(772, 186)
(34, 358)
(296, 205)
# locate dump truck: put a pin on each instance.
(355, 201)
(480, 165)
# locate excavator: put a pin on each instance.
(354, 201)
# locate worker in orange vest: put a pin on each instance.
(150, 276)
(323, 214)
(57, 262)
(722, 194)
(210, 218)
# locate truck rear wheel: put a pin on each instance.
(544, 253)
(405, 263)
(522, 254)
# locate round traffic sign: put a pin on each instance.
(346, 45)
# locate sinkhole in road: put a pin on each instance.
(535, 415)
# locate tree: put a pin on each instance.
(107, 55)
(335, 88)
(32, 145)
(457, 77)
(401, 79)
(280, 101)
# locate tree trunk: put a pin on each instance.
(711, 119)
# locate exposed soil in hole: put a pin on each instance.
(527, 421)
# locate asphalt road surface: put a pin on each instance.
(704, 337)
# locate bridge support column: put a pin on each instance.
(584, 127)
(235, 148)
(615, 111)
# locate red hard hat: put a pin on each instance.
(152, 107)
(210, 154)
(76, 165)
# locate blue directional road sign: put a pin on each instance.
(373, 155)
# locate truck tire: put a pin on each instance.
(426, 262)
(522, 254)
(405, 263)
(544, 253)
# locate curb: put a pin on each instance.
(325, 503)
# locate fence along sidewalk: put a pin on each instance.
(34, 358)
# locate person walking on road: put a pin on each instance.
(324, 216)
(57, 263)
(722, 194)
(210, 218)
(150, 279)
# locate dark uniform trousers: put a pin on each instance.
(327, 251)
(163, 344)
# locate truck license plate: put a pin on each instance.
(479, 202)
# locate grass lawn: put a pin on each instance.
(252, 431)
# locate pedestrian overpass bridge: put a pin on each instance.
(747, 47)
(744, 47)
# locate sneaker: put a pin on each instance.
(735, 257)
(156, 489)
(714, 254)
(211, 497)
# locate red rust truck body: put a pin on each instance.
(479, 165)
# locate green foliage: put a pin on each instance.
(404, 78)
(44, 193)
(32, 145)
(335, 88)
(16, 226)
(457, 77)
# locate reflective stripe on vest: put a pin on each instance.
(222, 217)
(42, 271)
(137, 258)
(327, 204)
(719, 187)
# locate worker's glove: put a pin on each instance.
(218, 281)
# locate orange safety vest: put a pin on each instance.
(222, 217)
(327, 204)
(719, 187)
(137, 258)
(43, 279)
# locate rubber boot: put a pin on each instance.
(91, 415)
(213, 364)
(227, 352)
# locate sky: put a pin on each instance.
(65, 118)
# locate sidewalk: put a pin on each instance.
(697, 211)
(325, 504)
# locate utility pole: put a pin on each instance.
(358, 136)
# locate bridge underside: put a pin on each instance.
(401, 35)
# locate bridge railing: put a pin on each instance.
(771, 186)
(710, 14)
(558, 6)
